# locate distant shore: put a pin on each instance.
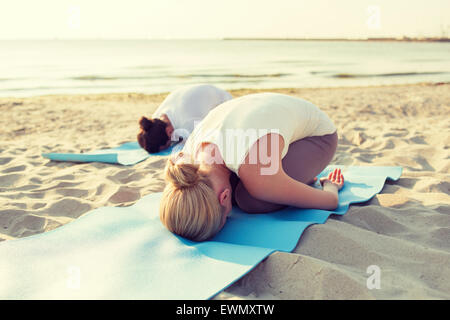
(387, 39)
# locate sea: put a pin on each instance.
(43, 67)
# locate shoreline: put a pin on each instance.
(245, 89)
(389, 39)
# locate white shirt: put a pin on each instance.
(188, 105)
(234, 126)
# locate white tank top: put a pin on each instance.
(234, 126)
(188, 105)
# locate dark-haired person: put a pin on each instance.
(176, 117)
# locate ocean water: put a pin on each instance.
(30, 68)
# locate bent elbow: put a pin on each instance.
(334, 203)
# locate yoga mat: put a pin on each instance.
(126, 154)
(126, 253)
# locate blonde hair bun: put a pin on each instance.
(182, 175)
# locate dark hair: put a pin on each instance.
(152, 135)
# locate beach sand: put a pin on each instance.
(404, 230)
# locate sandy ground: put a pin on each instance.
(404, 230)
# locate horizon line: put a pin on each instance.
(390, 38)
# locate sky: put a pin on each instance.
(204, 19)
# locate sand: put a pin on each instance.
(404, 230)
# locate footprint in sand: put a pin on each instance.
(10, 180)
(27, 226)
(125, 194)
(73, 192)
(38, 205)
(36, 180)
(65, 177)
(417, 140)
(122, 177)
(5, 160)
(8, 216)
(72, 208)
(15, 169)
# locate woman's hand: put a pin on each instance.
(334, 178)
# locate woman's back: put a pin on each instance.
(189, 104)
(236, 125)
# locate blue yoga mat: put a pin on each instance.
(126, 154)
(126, 253)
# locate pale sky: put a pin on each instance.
(166, 19)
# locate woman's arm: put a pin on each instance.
(278, 187)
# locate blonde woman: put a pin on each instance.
(259, 152)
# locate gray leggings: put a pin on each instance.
(305, 159)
